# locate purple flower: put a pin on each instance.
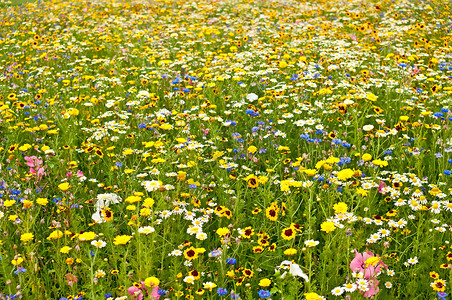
(442, 295)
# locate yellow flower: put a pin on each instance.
(310, 172)
(127, 152)
(55, 235)
(265, 282)
(27, 204)
(192, 252)
(252, 149)
(13, 218)
(64, 186)
(345, 174)
(122, 239)
(26, 237)
(327, 226)
(263, 179)
(361, 192)
(69, 261)
(12, 148)
(65, 249)
(42, 201)
(371, 97)
(312, 296)
(222, 231)
(340, 208)
(366, 157)
(372, 261)
(209, 285)
(87, 236)
(151, 281)
(166, 126)
(148, 202)
(9, 203)
(380, 163)
(24, 147)
(282, 64)
(181, 175)
(133, 199)
(288, 233)
(145, 212)
(290, 251)
(17, 261)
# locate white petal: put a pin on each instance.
(295, 270)
(97, 217)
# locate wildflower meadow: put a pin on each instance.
(225, 149)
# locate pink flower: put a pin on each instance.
(370, 270)
(40, 172)
(206, 131)
(135, 293)
(381, 187)
(373, 288)
(33, 161)
(155, 295)
(357, 264)
(71, 279)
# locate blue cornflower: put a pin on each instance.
(438, 114)
(442, 295)
(222, 291)
(264, 294)
(231, 261)
(20, 270)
